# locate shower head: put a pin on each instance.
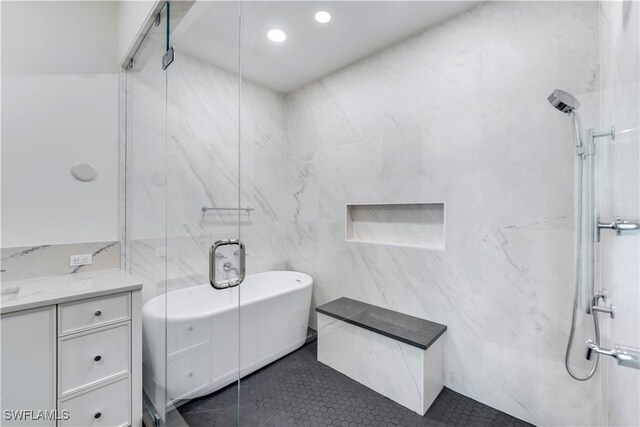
(563, 101)
(567, 103)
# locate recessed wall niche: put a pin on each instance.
(411, 225)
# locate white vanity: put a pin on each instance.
(71, 350)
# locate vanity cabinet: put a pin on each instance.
(28, 352)
(81, 358)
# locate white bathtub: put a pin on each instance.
(202, 332)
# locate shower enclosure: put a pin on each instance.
(398, 153)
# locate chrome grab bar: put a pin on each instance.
(247, 209)
(212, 264)
(626, 356)
(619, 225)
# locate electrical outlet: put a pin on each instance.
(75, 260)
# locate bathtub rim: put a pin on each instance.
(154, 315)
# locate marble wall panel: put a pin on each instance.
(459, 114)
(202, 162)
(53, 260)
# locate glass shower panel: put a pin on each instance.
(329, 134)
(618, 161)
(270, 326)
(202, 185)
(146, 205)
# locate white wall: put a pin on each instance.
(59, 37)
(59, 107)
(459, 114)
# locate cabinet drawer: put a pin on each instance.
(85, 314)
(107, 406)
(89, 357)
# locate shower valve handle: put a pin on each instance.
(619, 225)
(625, 356)
(589, 353)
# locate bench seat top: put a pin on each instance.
(410, 330)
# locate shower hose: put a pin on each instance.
(578, 271)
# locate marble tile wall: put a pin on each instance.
(189, 156)
(619, 177)
(53, 260)
(207, 162)
(407, 225)
(456, 114)
(459, 114)
(406, 374)
(199, 165)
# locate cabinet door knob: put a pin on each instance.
(98, 313)
(97, 415)
(97, 359)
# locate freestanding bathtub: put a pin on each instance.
(202, 334)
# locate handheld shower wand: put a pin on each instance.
(568, 104)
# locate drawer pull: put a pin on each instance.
(97, 415)
(97, 359)
(77, 316)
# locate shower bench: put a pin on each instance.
(397, 355)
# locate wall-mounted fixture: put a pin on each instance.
(588, 228)
(625, 356)
(84, 171)
(619, 225)
(206, 208)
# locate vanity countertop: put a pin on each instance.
(41, 291)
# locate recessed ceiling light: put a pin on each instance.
(323, 16)
(276, 35)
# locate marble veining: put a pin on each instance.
(48, 260)
(404, 373)
(459, 114)
(455, 114)
(206, 164)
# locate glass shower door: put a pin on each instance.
(145, 221)
(182, 196)
(204, 260)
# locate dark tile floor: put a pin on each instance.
(297, 390)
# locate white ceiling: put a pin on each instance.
(312, 50)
